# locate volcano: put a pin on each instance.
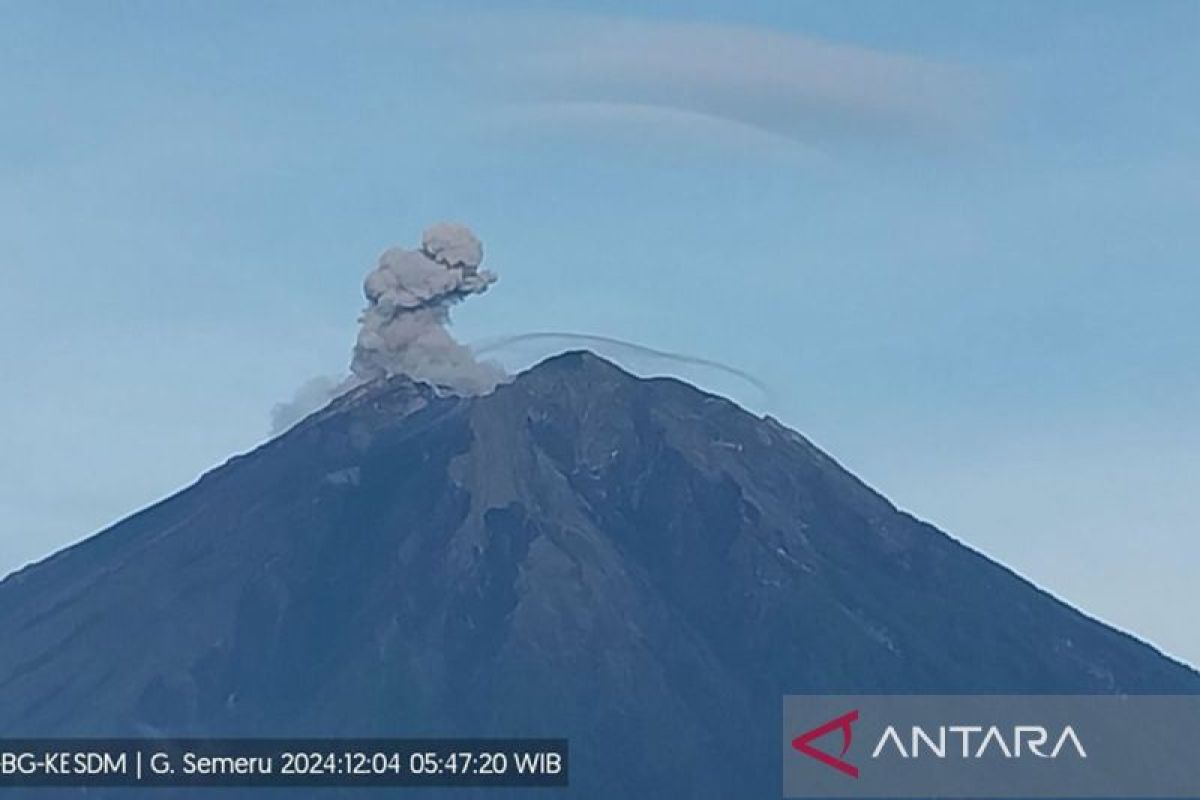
(633, 564)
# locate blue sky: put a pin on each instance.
(958, 240)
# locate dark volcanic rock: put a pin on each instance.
(631, 563)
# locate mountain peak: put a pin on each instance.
(579, 367)
(577, 360)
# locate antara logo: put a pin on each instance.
(1021, 739)
(947, 741)
(803, 743)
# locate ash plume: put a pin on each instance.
(409, 295)
(404, 328)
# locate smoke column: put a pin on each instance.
(409, 295)
(404, 328)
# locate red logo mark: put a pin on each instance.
(802, 743)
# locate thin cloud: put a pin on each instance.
(786, 86)
(641, 123)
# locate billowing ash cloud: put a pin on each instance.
(409, 296)
(404, 326)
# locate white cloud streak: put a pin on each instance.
(785, 85)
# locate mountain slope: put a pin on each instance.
(631, 563)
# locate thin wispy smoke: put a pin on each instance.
(558, 339)
(312, 395)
